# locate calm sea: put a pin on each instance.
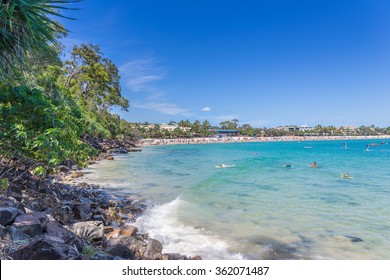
(257, 208)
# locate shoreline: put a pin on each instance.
(248, 139)
(63, 217)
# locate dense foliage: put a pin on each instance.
(46, 105)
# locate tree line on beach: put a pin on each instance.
(188, 129)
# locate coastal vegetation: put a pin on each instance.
(47, 106)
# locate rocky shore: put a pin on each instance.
(61, 219)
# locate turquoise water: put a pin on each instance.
(257, 208)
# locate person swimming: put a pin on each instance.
(288, 165)
(345, 176)
(314, 164)
(345, 145)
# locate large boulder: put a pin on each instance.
(153, 249)
(41, 216)
(44, 247)
(136, 245)
(91, 230)
(69, 238)
(28, 224)
(8, 215)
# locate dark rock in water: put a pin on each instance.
(28, 224)
(354, 238)
(154, 247)
(8, 215)
(120, 150)
(44, 247)
(14, 234)
(91, 230)
(109, 157)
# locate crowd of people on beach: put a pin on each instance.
(245, 139)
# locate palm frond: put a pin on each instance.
(28, 27)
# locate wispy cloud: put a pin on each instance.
(165, 108)
(206, 109)
(221, 118)
(257, 123)
(139, 74)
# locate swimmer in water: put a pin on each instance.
(288, 165)
(314, 165)
(345, 176)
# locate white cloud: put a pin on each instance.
(138, 74)
(165, 108)
(206, 109)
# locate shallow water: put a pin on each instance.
(257, 208)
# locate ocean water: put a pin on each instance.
(257, 208)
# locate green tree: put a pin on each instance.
(185, 123)
(27, 29)
(196, 127)
(93, 79)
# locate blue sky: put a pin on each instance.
(266, 63)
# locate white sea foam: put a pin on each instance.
(161, 223)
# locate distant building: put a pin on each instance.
(168, 127)
(305, 128)
(225, 132)
(288, 128)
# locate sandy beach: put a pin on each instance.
(247, 139)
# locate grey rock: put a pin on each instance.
(173, 256)
(8, 215)
(91, 230)
(136, 245)
(57, 230)
(154, 247)
(44, 247)
(14, 234)
(28, 224)
(119, 250)
(16, 193)
(41, 216)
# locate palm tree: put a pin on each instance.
(27, 27)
